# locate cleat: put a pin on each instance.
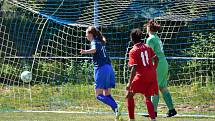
(145, 115)
(171, 113)
(118, 113)
(156, 114)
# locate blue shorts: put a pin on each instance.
(104, 77)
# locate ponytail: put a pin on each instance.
(101, 37)
(96, 34)
(153, 25)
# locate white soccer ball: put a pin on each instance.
(26, 76)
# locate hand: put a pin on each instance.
(128, 86)
(82, 51)
(129, 94)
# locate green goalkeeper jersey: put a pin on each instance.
(162, 70)
(155, 43)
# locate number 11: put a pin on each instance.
(145, 58)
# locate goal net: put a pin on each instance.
(45, 37)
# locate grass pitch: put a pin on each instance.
(29, 116)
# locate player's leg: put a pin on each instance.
(161, 71)
(155, 98)
(106, 100)
(117, 109)
(130, 105)
(162, 74)
(153, 93)
(102, 83)
(150, 107)
(168, 100)
(110, 82)
(107, 93)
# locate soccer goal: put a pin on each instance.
(45, 37)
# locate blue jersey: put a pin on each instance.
(100, 58)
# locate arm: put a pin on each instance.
(132, 66)
(156, 60)
(132, 75)
(90, 51)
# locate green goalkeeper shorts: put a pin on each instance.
(162, 73)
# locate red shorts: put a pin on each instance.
(145, 83)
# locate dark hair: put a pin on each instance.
(136, 35)
(153, 25)
(96, 33)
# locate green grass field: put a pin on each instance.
(68, 97)
(83, 117)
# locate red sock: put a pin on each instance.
(150, 108)
(130, 104)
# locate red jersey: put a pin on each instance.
(141, 55)
(145, 80)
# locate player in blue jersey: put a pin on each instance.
(103, 72)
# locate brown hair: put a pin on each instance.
(153, 25)
(96, 33)
(136, 35)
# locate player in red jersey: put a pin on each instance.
(143, 63)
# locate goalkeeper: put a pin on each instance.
(162, 70)
(103, 72)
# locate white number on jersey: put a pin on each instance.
(145, 58)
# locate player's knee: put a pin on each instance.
(164, 89)
(129, 95)
(107, 92)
